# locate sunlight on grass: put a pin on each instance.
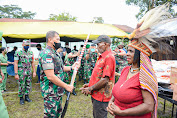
(80, 106)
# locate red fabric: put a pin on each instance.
(105, 66)
(129, 95)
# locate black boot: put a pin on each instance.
(27, 98)
(74, 93)
(21, 100)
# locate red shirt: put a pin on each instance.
(105, 66)
(128, 93)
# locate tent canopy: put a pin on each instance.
(14, 31)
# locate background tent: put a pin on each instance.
(15, 30)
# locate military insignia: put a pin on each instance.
(48, 60)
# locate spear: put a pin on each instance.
(74, 73)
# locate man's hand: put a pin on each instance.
(86, 90)
(76, 64)
(69, 88)
(34, 74)
(85, 85)
(17, 77)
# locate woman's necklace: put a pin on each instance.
(133, 70)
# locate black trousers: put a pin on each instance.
(99, 109)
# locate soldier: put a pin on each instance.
(81, 69)
(3, 108)
(86, 65)
(52, 76)
(121, 59)
(23, 61)
(92, 58)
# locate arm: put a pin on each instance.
(122, 52)
(53, 78)
(100, 84)
(4, 64)
(33, 66)
(16, 69)
(69, 68)
(141, 109)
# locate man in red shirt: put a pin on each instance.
(102, 79)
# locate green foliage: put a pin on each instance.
(99, 20)
(63, 17)
(146, 5)
(13, 11)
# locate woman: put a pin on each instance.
(4, 64)
(128, 99)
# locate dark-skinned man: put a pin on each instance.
(52, 76)
(102, 78)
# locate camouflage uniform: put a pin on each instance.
(81, 70)
(24, 71)
(71, 62)
(86, 67)
(52, 94)
(92, 60)
(121, 62)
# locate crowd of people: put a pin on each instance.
(98, 69)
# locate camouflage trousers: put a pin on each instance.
(24, 83)
(81, 71)
(52, 106)
(66, 77)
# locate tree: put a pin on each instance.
(146, 5)
(13, 11)
(99, 20)
(63, 17)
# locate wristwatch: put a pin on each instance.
(16, 73)
(71, 68)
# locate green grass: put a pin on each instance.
(80, 106)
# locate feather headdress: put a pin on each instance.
(152, 31)
(156, 27)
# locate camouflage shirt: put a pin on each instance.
(92, 58)
(50, 59)
(24, 62)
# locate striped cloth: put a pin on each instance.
(148, 80)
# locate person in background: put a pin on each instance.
(121, 60)
(39, 48)
(102, 78)
(92, 56)
(23, 61)
(10, 57)
(121, 46)
(3, 108)
(86, 65)
(81, 69)
(4, 64)
(74, 51)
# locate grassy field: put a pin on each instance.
(79, 106)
